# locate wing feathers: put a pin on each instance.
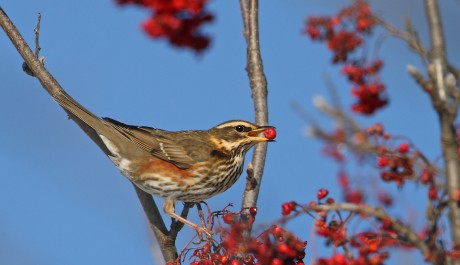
(178, 148)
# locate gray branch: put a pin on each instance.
(258, 84)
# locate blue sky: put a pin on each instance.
(63, 202)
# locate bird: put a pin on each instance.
(189, 166)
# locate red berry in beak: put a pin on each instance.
(270, 133)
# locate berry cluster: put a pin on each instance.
(178, 21)
(274, 246)
(343, 39)
(362, 248)
(398, 163)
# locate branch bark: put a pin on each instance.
(50, 84)
(258, 83)
(447, 113)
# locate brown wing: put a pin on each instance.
(182, 149)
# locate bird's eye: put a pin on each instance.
(241, 128)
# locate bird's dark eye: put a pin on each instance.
(242, 128)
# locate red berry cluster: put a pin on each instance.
(274, 246)
(395, 162)
(343, 39)
(339, 259)
(363, 248)
(368, 89)
(178, 21)
(336, 31)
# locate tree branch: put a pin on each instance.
(258, 85)
(166, 239)
(51, 85)
(438, 49)
(447, 114)
(244, 6)
(403, 230)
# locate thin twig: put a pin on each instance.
(410, 36)
(244, 6)
(37, 36)
(26, 67)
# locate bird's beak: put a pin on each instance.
(257, 135)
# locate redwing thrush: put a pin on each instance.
(188, 166)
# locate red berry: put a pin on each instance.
(206, 248)
(322, 193)
(277, 261)
(286, 250)
(216, 257)
(403, 148)
(313, 32)
(276, 230)
(248, 259)
(270, 133)
(426, 176)
(229, 218)
(382, 161)
(253, 211)
(288, 207)
(235, 262)
(433, 193)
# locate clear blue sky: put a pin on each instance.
(63, 202)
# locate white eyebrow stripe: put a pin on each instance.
(234, 123)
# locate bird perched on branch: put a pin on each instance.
(188, 166)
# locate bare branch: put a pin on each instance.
(244, 6)
(258, 85)
(447, 114)
(25, 67)
(166, 239)
(37, 36)
(438, 49)
(410, 36)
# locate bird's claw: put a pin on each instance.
(202, 230)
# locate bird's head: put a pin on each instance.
(237, 135)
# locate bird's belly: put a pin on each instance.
(196, 186)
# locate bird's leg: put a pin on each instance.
(168, 208)
(201, 215)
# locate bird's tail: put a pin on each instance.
(91, 124)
